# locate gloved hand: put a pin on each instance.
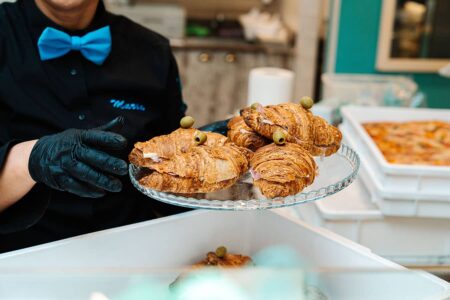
(77, 161)
(219, 127)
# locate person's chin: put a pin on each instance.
(67, 4)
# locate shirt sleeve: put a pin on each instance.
(4, 150)
(26, 212)
(176, 108)
(29, 210)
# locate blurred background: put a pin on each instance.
(218, 42)
(340, 51)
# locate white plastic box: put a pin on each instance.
(404, 190)
(181, 240)
(364, 89)
(395, 202)
(405, 240)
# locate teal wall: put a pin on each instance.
(357, 49)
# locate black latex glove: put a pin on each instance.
(77, 161)
(219, 127)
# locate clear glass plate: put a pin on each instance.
(336, 172)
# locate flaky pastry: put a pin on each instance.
(282, 170)
(200, 170)
(298, 124)
(229, 260)
(242, 135)
(164, 147)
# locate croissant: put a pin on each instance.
(174, 184)
(299, 126)
(280, 171)
(229, 260)
(200, 170)
(164, 147)
(242, 135)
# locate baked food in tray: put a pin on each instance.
(297, 123)
(413, 142)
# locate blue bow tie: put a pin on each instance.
(95, 46)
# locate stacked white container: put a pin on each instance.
(399, 190)
(400, 212)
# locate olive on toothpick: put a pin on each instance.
(279, 137)
(221, 251)
(307, 102)
(200, 138)
(255, 105)
(187, 122)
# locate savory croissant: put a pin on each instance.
(223, 260)
(298, 124)
(242, 135)
(164, 147)
(218, 259)
(282, 170)
(200, 170)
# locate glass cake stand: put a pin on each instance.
(335, 173)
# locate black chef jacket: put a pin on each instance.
(139, 80)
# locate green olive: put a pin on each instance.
(200, 138)
(187, 122)
(279, 137)
(307, 102)
(221, 251)
(255, 105)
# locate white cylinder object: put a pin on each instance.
(270, 86)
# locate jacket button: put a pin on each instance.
(81, 117)
(73, 72)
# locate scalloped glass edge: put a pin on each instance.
(253, 204)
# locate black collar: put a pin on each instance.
(37, 21)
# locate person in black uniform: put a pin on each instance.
(67, 68)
